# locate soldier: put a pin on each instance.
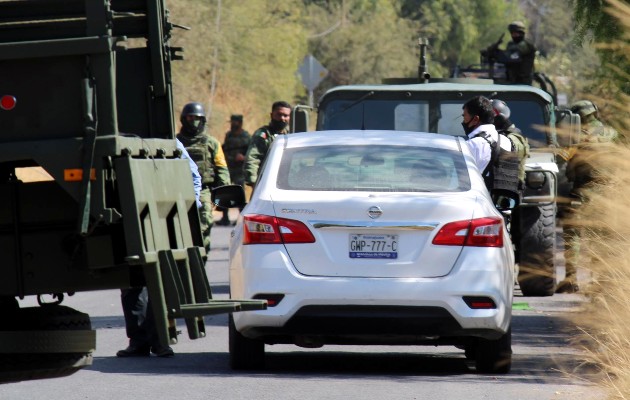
(206, 151)
(506, 127)
(262, 139)
(521, 147)
(518, 55)
(581, 172)
(235, 147)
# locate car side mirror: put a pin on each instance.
(228, 196)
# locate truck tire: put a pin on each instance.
(537, 273)
(55, 329)
(245, 353)
(494, 356)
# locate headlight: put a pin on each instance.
(535, 179)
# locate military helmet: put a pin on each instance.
(516, 26)
(584, 108)
(500, 108)
(196, 126)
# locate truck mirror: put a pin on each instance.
(569, 127)
(228, 196)
(299, 118)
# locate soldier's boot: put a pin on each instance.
(569, 283)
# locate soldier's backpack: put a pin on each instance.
(501, 174)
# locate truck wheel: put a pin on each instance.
(494, 356)
(245, 353)
(44, 342)
(537, 274)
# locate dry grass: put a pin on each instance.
(605, 251)
(605, 245)
(604, 220)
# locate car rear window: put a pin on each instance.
(373, 168)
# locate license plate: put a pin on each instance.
(373, 246)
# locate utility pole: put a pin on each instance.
(215, 59)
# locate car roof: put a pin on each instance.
(372, 137)
(473, 88)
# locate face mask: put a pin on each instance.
(277, 126)
(467, 128)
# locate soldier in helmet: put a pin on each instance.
(506, 127)
(518, 55)
(262, 139)
(207, 153)
(520, 146)
(581, 173)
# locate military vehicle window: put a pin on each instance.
(529, 116)
(450, 122)
(412, 117)
(374, 114)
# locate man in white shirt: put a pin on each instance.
(478, 118)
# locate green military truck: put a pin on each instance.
(423, 104)
(86, 99)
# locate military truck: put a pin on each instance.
(435, 105)
(86, 99)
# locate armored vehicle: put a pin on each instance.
(435, 105)
(86, 100)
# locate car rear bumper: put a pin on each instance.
(378, 310)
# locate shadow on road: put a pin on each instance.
(540, 342)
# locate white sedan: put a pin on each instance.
(372, 237)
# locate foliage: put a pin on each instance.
(251, 50)
(458, 29)
(368, 41)
(598, 20)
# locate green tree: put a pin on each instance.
(239, 57)
(360, 41)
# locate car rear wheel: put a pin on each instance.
(245, 353)
(537, 275)
(494, 356)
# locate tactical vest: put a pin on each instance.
(501, 174)
(520, 146)
(201, 155)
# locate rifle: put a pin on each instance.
(490, 52)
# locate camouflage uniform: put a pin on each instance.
(581, 172)
(206, 151)
(257, 152)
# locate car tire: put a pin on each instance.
(494, 356)
(537, 274)
(71, 328)
(245, 353)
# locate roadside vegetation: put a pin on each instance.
(605, 217)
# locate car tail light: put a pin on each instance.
(480, 232)
(479, 303)
(266, 229)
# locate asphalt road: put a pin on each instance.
(545, 366)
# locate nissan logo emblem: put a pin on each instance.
(374, 212)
